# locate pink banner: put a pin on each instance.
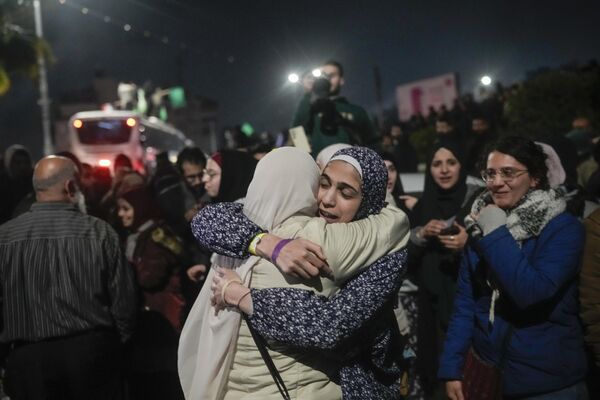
(416, 97)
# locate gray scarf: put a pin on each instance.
(528, 218)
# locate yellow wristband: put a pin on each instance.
(254, 243)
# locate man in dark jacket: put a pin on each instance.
(69, 295)
(329, 118)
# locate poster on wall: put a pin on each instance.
(418, 96)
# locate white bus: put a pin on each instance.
(97, 137)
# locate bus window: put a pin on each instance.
(101, 132)
(162, 140)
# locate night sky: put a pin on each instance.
(240, 52)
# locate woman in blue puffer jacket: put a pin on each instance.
(516, 302)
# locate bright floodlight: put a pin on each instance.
(293, 78)
(316, 72)
(486, 80)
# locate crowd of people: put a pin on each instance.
(277, 274)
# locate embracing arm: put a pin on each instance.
(347, 248)
(224, 229)
(351, 247)
(304, 319)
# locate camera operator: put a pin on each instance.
(329, 118)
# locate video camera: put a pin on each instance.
(321, 87)
(323, 106)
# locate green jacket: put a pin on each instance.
(357, 129)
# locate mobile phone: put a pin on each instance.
(451, 230)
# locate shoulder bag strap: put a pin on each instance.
(262, 348)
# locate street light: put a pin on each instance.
(293, 78)
(44, 100)
(486, 80)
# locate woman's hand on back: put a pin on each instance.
(227, 289)
(300, 258)
(455, 242)
(303, 259)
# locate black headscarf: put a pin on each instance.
(438, 203)
(398, 189)
(237, 170)
(437, 265)
(144, 206)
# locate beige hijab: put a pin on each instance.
(325, 155)
(285, 184)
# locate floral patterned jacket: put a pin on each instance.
(357, 323)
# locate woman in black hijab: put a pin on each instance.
(437, 240)
(439, 226)
(228, 174)
(395, 190)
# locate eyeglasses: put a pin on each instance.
(210, 173)
(507, 174)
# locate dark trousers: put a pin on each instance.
(86, 366)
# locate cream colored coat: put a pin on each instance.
(349, 248)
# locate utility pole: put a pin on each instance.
(44, 100)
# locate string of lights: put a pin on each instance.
(155, 10)
(127, 27)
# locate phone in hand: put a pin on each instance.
(451, 230)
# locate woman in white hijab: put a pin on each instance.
(208, 339)
(327, 153)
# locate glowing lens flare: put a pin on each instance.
(293, 78)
